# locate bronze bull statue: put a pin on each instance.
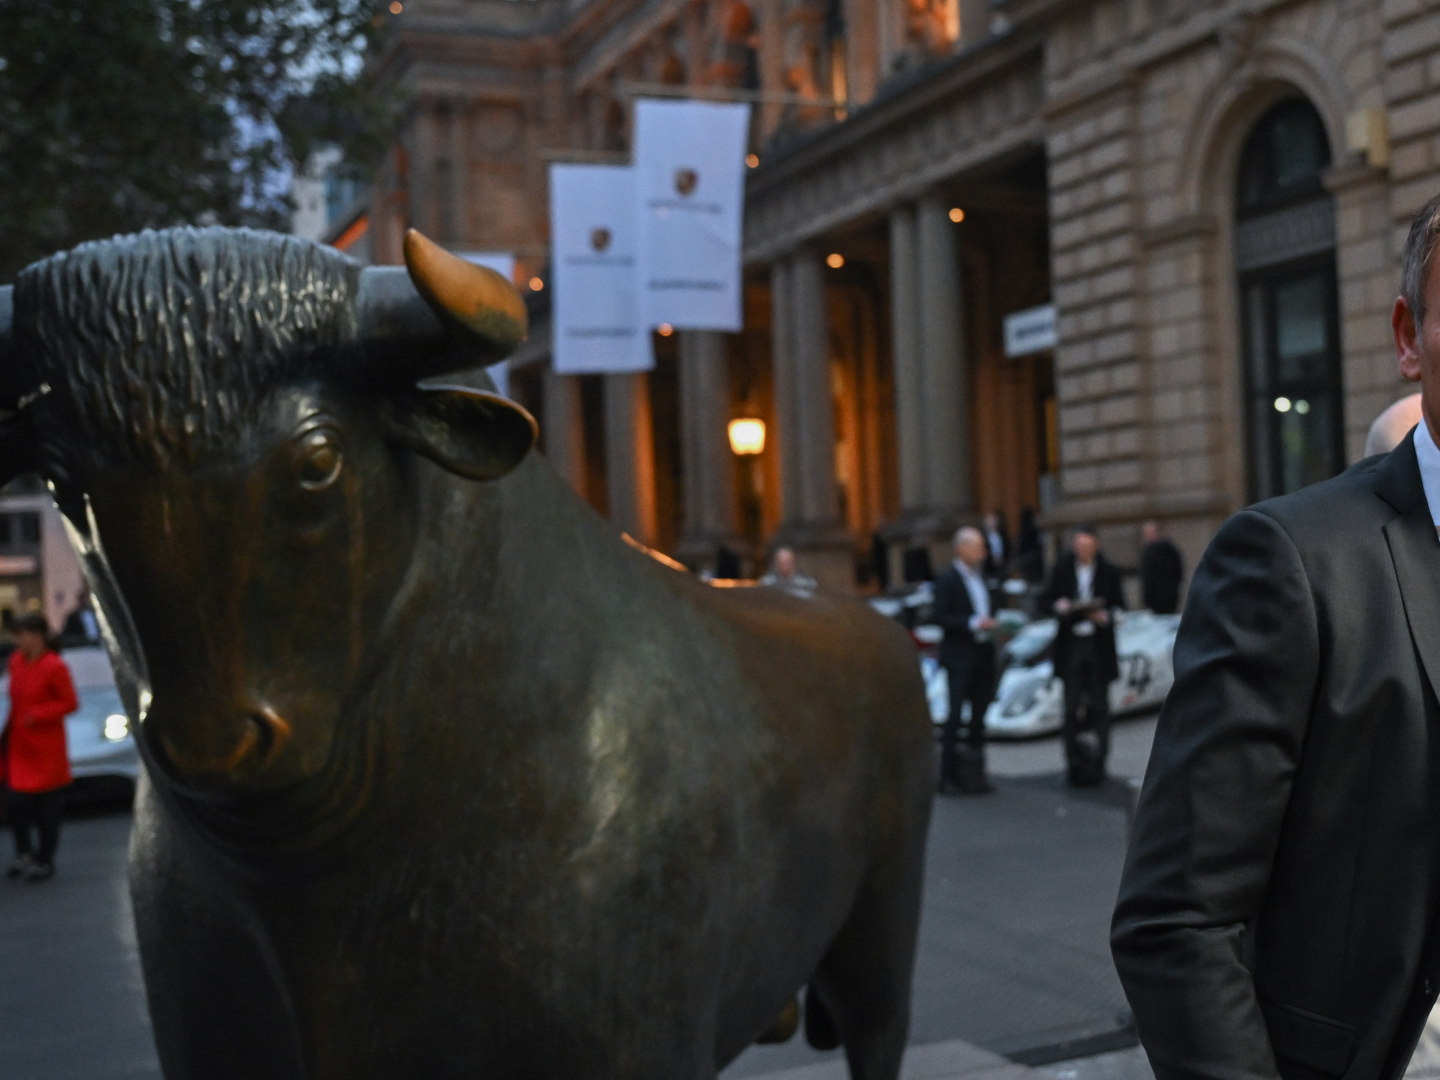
(445, 779)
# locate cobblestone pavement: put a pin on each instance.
(1013, 943)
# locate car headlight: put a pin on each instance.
(1022, 699)
(117, 726)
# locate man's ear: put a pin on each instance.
(1407, 330)
(474, 434)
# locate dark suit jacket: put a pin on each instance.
(953, 610)
(1107, 585)
(994, 567)
(1277, 912)
(1161, 571)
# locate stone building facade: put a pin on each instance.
(1212, 193)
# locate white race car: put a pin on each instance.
(1030, 700)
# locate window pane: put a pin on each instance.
(6, 532)
(1299, 153)
(1301, 328)
(1261, 419)
(30, 528)
(1306, 446)
(1257, 337)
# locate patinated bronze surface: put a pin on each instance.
(445, 779)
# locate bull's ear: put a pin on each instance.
(474, 434)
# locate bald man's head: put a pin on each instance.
(1391, 426)
(970, 546)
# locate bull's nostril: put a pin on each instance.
(273, 733)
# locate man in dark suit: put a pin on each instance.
(1278, 909)
(962, 607)
(1085, 593)
(997, 548)
(1161, 571)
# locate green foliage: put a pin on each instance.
(116, 115)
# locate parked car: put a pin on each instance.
(1030, 700)
(102, 748)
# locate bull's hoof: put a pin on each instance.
(820, 1030)
(783, 1029)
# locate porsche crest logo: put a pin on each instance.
(600, 239)
(686, 181)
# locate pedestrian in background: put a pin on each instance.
(1161, 571)
(1085, 593)
(962, 608)
(784, 575)
(1029, 551)
(34, 759)
(997, 548)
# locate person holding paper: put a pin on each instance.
(1084, 592)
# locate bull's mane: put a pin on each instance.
(164, 342)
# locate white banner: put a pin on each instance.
(690, 174)
(596, 321)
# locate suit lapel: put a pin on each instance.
(1415, 551)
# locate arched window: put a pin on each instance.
(1285, 260)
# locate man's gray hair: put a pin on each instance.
(966, 532)
(1419, 246)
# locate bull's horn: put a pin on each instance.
(17, 442)
(12, 388)
(438, 314)
(477, 297)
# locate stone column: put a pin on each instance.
(942, 359)
(782, 353)
(565, 429)
(630, 454)
(708, 465)
(909, 379)
(813, 407)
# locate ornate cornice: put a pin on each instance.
(977, 109)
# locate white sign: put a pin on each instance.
(502, 262)
(690, 177)
(1030, 331)
(596, 322)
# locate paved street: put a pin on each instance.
(1013, 952)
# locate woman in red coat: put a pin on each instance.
(34, 762)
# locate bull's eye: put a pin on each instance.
(318, 461)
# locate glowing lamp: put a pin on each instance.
(747, 436)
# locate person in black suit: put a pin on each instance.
(1277, 915)
(962, 607)
(1161, 571)
(997, 548)
(1084, 592)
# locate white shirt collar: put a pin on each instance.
(1428, 455)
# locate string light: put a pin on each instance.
(665, 329)
(536, 284)
(834, 260)
(752, 160)
(957, 215)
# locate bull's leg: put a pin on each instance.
(864, 980)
